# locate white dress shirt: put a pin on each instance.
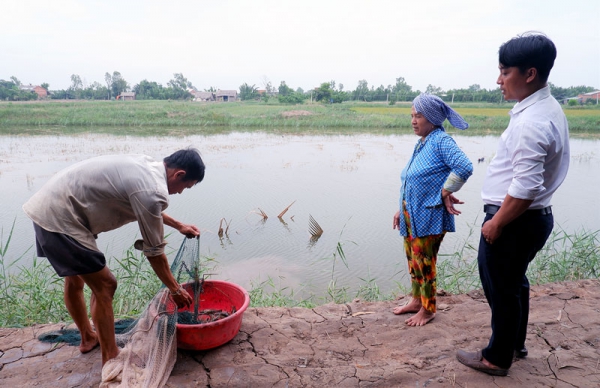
(533, 153)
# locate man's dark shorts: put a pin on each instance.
(67, 256)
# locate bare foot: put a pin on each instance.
(89, 343)
(106, 357)
(411, 307)
(421, 318)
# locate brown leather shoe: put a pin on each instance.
(475, 360)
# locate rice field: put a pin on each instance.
(154, 117)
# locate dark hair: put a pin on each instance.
(188, 160)
(531, 49)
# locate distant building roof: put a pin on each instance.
(27, 87)
(221, 93)
(203, 95)
(127, 94)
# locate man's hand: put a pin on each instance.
(491, 231)
(189, 231)
(182, 298)
(160, 265)
(511, 209)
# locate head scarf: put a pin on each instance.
(436, 111)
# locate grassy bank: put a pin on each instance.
(185, 117)
(34, 294)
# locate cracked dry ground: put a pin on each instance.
(355, 345)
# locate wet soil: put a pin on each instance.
(358, 344)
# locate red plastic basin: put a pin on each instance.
(216, 295)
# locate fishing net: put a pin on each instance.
(149, 346)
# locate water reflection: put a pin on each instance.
(349, 184)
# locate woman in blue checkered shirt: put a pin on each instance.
(437, 169)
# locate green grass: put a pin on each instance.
(179, 118)
(34, 294)
(565, 257)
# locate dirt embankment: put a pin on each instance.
(354, 345)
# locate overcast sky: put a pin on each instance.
(225, 43)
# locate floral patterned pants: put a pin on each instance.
(421, 253)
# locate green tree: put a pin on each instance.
(287, 95)
(380, 94)
(179, 81)
(433, 90)
(76, 87)
(95, 91)
(15, 81)
(147, 90)
(45, 85)
(323, 92)
(118, 84)
(179, 86)
(269, 89)
(248, 92)
(292, 98)
(108, 80)
(76, 82)
(362, 91)
(402, 91)
(284, 90)
(10, 91)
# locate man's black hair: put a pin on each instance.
(531, 49)
(188, 160)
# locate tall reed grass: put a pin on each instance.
(34, 293)
(564, 257)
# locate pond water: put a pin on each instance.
(348, 184)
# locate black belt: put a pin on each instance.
(493, 209)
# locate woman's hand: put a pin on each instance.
(449, 201)
(397, 220)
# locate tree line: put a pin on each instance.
(179, 87)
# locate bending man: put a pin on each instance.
(102, 194)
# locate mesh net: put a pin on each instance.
(149, 346)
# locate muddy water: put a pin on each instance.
(348, 184)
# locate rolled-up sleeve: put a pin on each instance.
(530, 151)
(148, 208)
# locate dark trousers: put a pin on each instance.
(502, 268)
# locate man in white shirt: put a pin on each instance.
(531, 163)
(102, 194)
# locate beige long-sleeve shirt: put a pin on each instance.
(102, 194)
